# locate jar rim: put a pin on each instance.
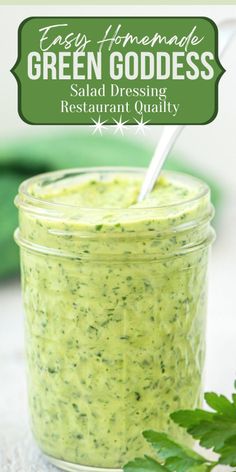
(203, 188)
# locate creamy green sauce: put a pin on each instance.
(115, 331)
(115, 192)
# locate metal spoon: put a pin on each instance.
(227, 29)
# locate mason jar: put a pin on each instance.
(115, 310)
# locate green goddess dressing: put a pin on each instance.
(115, 300)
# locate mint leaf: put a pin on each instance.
(176, 458)
(144, 464)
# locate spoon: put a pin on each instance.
(227, 30)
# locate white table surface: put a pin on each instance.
(17, 452)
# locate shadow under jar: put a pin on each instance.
(115, 300)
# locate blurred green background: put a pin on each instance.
(25, 157)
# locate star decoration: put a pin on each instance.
(98, 125)
(141, 125)
(120, 125)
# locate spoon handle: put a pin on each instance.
(227, 29)
(167, 139)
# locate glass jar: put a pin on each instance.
(115, 303)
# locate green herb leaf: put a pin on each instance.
(214, 430)
(220, 404)
(228, 453)
(175, 457)
(145, 464)
(187, 418)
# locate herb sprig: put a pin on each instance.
(215, 430)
